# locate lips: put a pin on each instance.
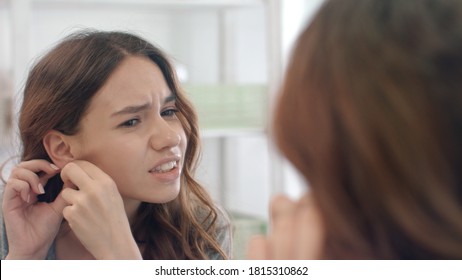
(165, 167)
(167, 170)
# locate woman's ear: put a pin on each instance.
(58, 148)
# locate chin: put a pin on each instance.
(165, 197)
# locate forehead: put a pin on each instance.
(136, 80)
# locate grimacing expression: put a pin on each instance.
(131, 132)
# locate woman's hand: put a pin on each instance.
(31, 226)
(296, 232)
(96, 212)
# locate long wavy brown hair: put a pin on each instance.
(370, 113)
(58, 91)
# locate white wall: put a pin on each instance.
(194, 43)
(295, 15)
(52, 24)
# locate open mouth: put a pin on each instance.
(165, 167)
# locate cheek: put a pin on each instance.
(108, 155)
(178, 127)
(183, 144)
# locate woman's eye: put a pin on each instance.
(130, 123)
(169, 112)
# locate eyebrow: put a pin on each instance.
(170, 98)
(139, 108)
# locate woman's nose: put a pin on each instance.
(164, 135)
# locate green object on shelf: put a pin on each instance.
(229, 106)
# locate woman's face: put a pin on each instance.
(132, 133)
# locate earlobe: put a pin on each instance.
(58, 148)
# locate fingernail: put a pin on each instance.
(41, 189)
(54, 166)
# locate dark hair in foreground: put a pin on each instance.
(57, 94)
(371, 114)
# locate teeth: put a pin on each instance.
(165, 167)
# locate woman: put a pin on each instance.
(110, 145)
(370, 113)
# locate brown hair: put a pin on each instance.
(58, 92)
(370, 113)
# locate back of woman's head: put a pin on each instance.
(371, 114)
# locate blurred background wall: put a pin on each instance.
(230, 56)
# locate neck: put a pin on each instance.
(131, 207)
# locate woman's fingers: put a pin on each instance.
(27, 176)
(69, 196)
(280, 241)
(257, 248)
(282, 227)
(297, 231)
(37, 165)
(83, 174)
(17, 187)
(93, 171)
(309, 230)
(58, 205)
(35, 172)
(46, 175)
(73, 174)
